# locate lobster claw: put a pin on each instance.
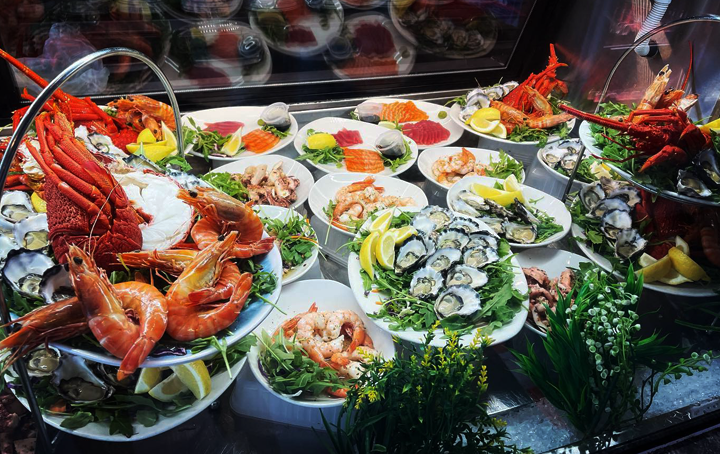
(693, 139)
(669, 154)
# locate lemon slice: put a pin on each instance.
(712, 125)
(674, 278)
(646, 260)
(687, 266)
(503, 198)
(149, 377)
(234, 145)
(403, 233)
(485, 191)
(657, 270)
(499, 131)
(385, 250)
(511, 183)
(682, 245)
(487, 113)
(320, 141)
(38, 203)
(146, 136)
(387, 124)
(168, 389)
(168, 136)
(367, 258)
(482, 125)
(382, 223)
(195, 376)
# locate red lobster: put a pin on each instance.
(85, 205)
(544, 82)
(666, 136)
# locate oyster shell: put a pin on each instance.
(6, 228)
(411, 254)
(466, 275)
(32, 232)
(495, 92)
(499, 210)
(465, 224)
(459, 300)
(7, 244)
(391, 144)
(473, 200)
(552, 155)
(424, 224)
(626, 193)
(426, 283)
(706, 165)
(524, 213)
(480, 256)
(76, 382)
(510, 85)
(519, 233)
(55, 284)
(691, 185)
(591, 194)
(629, 243)
(614, 221)
(43, 361)
(482, 240)
(15, 206)
(478, 98)
(568, 162)
(277, 115)
(443, 259)
(468, 111)
(606, 205)
(23, 271)
(440, 216)
(494, 223)
(452, 238)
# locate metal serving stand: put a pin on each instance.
(639, 41)
(17, 138)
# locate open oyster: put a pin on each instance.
(480, 256)
(438, 215)
(691, 185)
(412, 252)
(55, 284)
(32, 232)
(629, 243)
(443, 259)
(15, 206)
(426, 283)
(519, 233)
(23, 271)
(452, 238)
(614, 221)
(466, 275)
(458, 300)
(76, 382)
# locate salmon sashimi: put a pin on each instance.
(426, 132)
(366, 161)
(402, 112)
(346, 137)
(259, 141)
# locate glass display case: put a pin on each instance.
(555, 202)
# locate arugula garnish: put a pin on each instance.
(227, 183)
(505, 166)
(295, 236)
(203, 142)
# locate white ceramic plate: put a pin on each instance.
(290, 166)
(557, 175)
(324, 26)
(587, 139)
(543, 202)
(329, 296)
(428, 157)
(253, 313)
(249, 116)
(326, 187)
(455, 115)
(369, 303)
(369, 133)
(694, 290)
(285, 214)
(404, 53)
(553, 262)
(98, 431)
(432, 110)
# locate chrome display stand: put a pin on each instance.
(44, 443)
(628, 51)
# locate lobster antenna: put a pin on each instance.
(97, 217)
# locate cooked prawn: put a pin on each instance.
(206, 232)
(313, 336)
(228, 213)
(290, 326)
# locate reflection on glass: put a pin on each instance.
(369, 46)
(217, 9)
(297, 27)
(453, 28)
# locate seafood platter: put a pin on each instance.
(428, 124)
(305, 303)
(230, 133)
(340, 145)
(369, 46)
(527, 113)
(447, 165)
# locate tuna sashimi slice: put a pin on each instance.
(224, 128)
(346, 137)
(426, 132)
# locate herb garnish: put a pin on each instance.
(505, 166)
(227, 183)
(328, 155)
(296, 238)
(273, 130)
(203, 142)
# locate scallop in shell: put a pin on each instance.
(519, 233)
(411, 254)
(277, 115)
(443, 259)
(480, 256)
(32, 232)
(76, 382)
(458, 300)
(426, 283)
(466, 275)
(391, 144)
(23, 271)
(614, 221)
(15, 206)
(452, 238)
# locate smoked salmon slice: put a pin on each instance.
(366, 161)
(259, 141)
(402, 112)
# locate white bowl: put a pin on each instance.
(553, 262)
(369, 133)
(291, 168)
(577, 184)
(428, 157)
(543, 202)
(455, 115)
(97, 431)
(326, 187)
(273, 212)
(249, 115)
(369, 304)
(432, 110)
(694, 290)
(329, 296)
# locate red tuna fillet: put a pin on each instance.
(347, 138)
(426, 132)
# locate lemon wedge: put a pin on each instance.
(385, 250)
(38, 203)
(403, 233)
(233, 145)
(511, 183)
(149, 377)
(168, 389)
(195, 377)
(153, 151)
(482, 125)
(687, 266)
(387, 124)
(382, 223)
(168, 136)
(320, 141)
(499, 131)
(146, 136)
(598, 169)
(367, 257)
(657, 270)
(674, 278)
(487, 113)
(503, 198)
(646, 260)
(712, 125)
(682, 245)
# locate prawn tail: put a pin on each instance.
(137, 354)
(341, 392)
